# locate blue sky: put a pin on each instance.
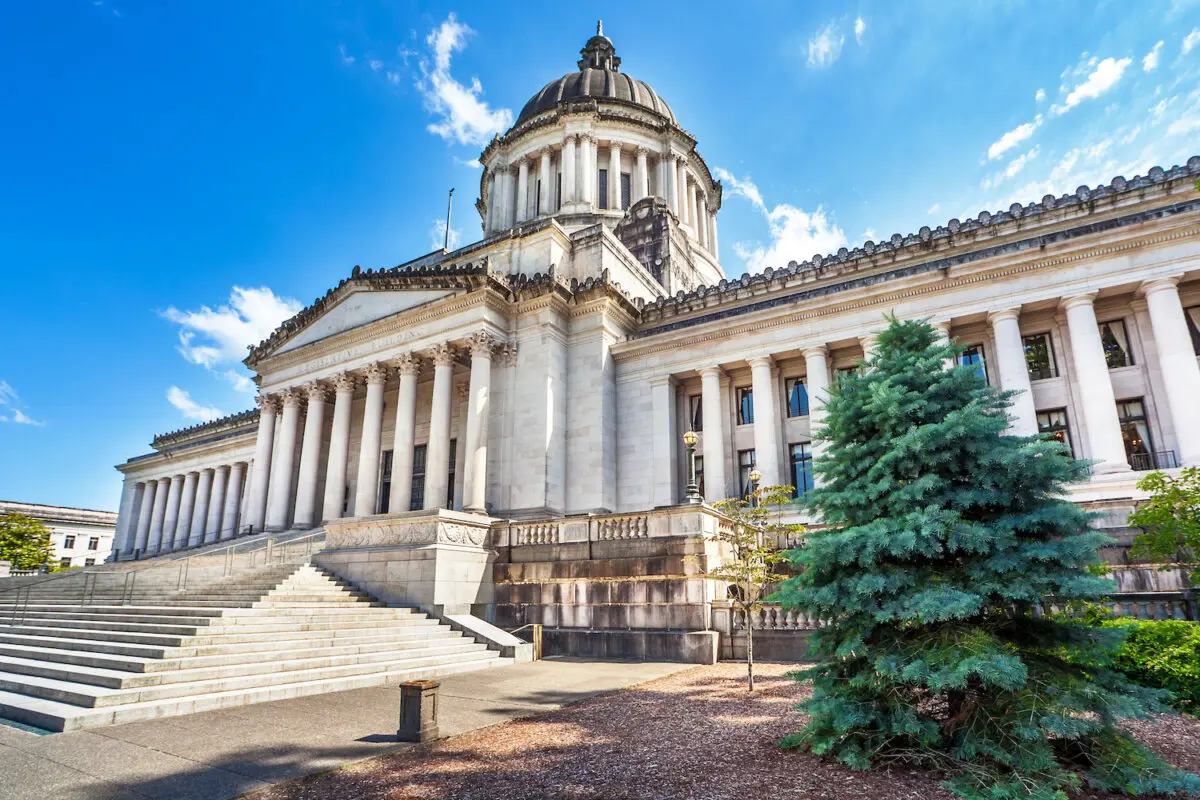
(176, 178)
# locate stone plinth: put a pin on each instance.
(418, 711)
(436, 560)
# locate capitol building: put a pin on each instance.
(498, 430)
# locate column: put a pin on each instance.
(256, 510)
(714, 434)
(233, 501)
(478, 408)
(766, 421)
(489, 214)
(713, 235)
(942, 329)
(546, 205)
(366, 495)
(170, 521)
(158, 516)
(279, 504)
(867, 342)
(702, 221)
(693, 217)
(437, 452)
(339, 447)
(523, 190)
(1180, 371)
(187, 507)
(816, 379)
(1014, 371)
(310, 457)
(200, 508)
(664, 446)
(409, 367)
(569, 170)
(593, 172)
(670, 163)
(681, 194)
(614, 175)
(142, 531)
(126, 519)
(216, 504)
(1096, 396)
(509, 198)
(641, 175)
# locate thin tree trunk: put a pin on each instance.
(750, 651)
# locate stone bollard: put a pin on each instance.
(418, 711)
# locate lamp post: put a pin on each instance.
(692, 494)
(755, 477)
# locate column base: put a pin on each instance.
(1110, 468)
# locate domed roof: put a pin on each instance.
(599, 77)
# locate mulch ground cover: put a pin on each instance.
(696, 734)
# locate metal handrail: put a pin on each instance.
(536, 627)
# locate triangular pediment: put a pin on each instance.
(359, 308)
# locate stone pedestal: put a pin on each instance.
(418, 711)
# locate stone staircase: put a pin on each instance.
(271, 633)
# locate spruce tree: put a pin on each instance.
(944, 535)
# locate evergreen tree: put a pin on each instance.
(944, 535)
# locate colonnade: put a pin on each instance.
(182, 510)
(513, 196)
(1097, 402)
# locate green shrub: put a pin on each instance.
(1163, 654)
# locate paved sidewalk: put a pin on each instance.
(221, 754)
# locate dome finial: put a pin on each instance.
(599, 52)
(599, 27)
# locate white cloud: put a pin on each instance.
(464, 117)
(375, 64)
(437, 235)
(1150, 60)
(860, 27)
(219, 337)
(1106, 75)
(346, 59)
(1018, 163)
(796, 234)
(870, 234)
(933, 209)
(20, 418)
(1039, 96)
(393, 78)
(825, 47)
(190, 408)
(1013, 138)
(1190, 41)
(473, 163)
(10, 410)
(1184, 125)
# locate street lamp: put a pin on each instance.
(755, 477)
(692, 494)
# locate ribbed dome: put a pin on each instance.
(599, 78)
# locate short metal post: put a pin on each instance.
(418, 711)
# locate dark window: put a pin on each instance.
(1116, 344)
(700, 474)
(418, 479)
(745, 467)
(1039, 357)
(1136, 432)
(1053, 423)
(1193, 322)
(69, 542)
(64, 562)
(696, 411)
(89, 562)
(626, 189)
(802, 474)
(797, 397)
(537, 198)
(450, 479)
(745, 407)
(346, 500)
(385, 481)
(602, 189)
(94, 543)
(972, 355)
(558, 192)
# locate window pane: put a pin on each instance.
(1116, 344)
(94, 543)
(745, 413)
(602, 190)
(802, 476)
(696, 412)
(797, 395)
(68, 542)
(745, 467)
(973, 355)
(450, 477)
(1053, 423)
(1039, 357)
(417, 501)
(1135, 432)
(700, 474)
(625, 189)
(1193, 322)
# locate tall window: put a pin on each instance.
(802, 474)
(972, 355)
(1053, 423)
(602, 189)
(745, 407)
(385, 481)
(700, 474)
(450, 479)
(94, 543)
(537, 199)
(558, 192)
(1116, 344)
(626, 189)
(797, 397)
(745, 467)
(418, 479)
(1039, 356)
(696, 411)
(1136, 433)
(1193, 322)
(69, 541)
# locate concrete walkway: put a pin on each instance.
(222, 754)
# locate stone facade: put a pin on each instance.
(541, 378)
(81, 537)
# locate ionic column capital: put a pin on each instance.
(482, 343)
(1084, 299)
(291, 397)
(712, 372)
(376, 373)
(269, 403)
(407, 364)
(1003, 314)
(317, 391)
(641, 151)
(816, 351)
(1167, 283)
(585, 137)
(344, 381)
(443, 355)
(761, 361)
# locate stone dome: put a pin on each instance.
(599, 78)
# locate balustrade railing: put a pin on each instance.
(1159, 459)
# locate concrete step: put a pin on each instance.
(57, 716)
